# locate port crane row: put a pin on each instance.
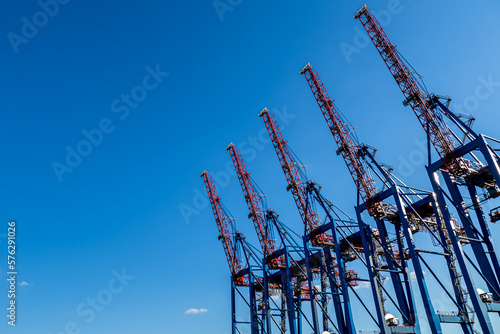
(402, 241)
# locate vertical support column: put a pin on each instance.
(337, 302)
(462, 308)
(368, 249)
(406, 279)
(492, 162)
(432, 318)
(403, 302)
(254, 325)
(488, 241)
(312, 296)
(299, 316)
(477, 247)
(289, 294)
(265, 311)
(479, 307)
(233, 307)
(348, 318)
(340, 293)
(324, 301)
(283, 313)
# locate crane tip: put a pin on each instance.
(203, 173)
(360, 11)
(229, 146)
(263, 112)
(305, 68)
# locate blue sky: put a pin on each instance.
(169, 85)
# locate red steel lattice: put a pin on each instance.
(347, 147)
(254, 207)
(295, 183)
(439, 133)
(225, 234)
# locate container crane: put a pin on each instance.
(430, 109)
(416, 213)
(241, 276)
(275, 257)
(305, 193)
(292, 172)
(346, 147)
(439, 133)
(459, 163)
(256, 211)
(226, 235)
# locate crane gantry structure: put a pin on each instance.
(459, 164)
(296, 183)
(283, 260)
(315, 233)
(439, 133)
(300, 283)
(256, 211)
(346, 146)
(246, 271)
(226, 234)
(421, 214)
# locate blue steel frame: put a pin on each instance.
(399, 272)
(340, 293)
(253, 266)
(292, 306)
(405, 299)
(404, 296)
(443, 223)
(343, 322)
(477, 231)
(280, 277)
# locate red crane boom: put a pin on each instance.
(225, 234)
(292, 173)
(439, 133)
(347, 147)
(253, 202)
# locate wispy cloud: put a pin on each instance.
(196, 311)
(362, 285)
(24, 283)
(413, 276)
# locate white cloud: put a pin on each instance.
(362, 285)
(24, 283)
(413, 276)
(196, 311)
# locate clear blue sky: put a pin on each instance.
(88, 66)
